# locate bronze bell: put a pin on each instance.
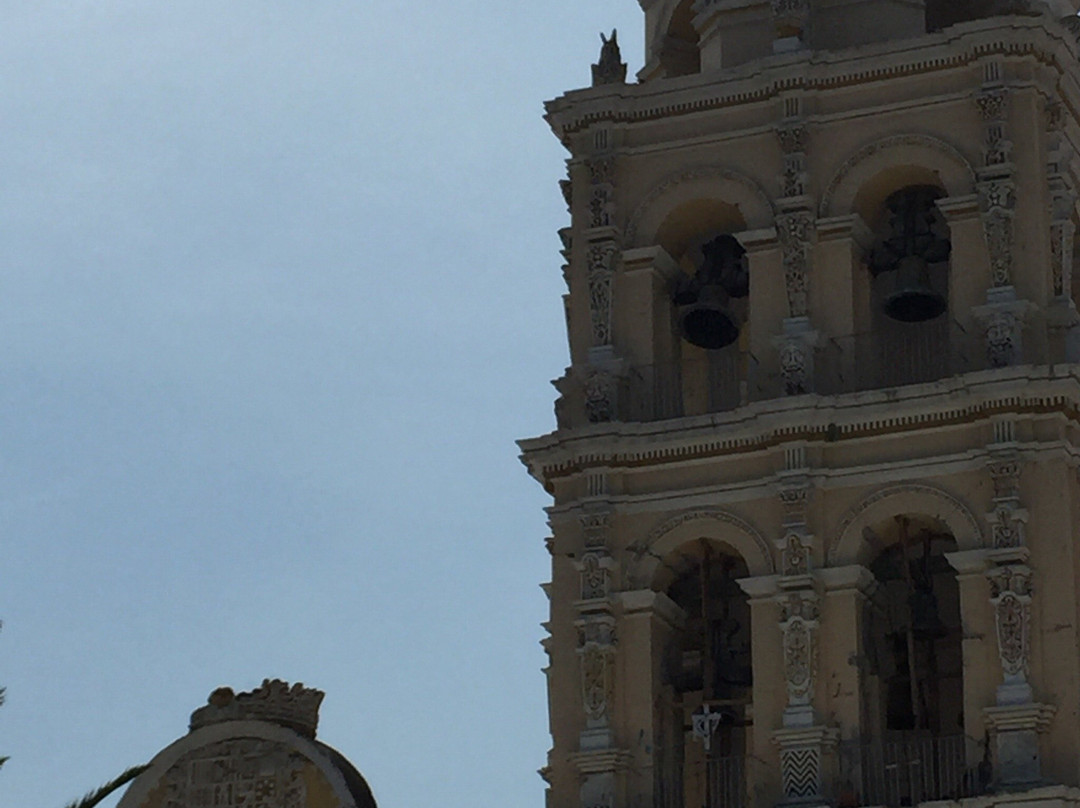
(709, 322)
(707, 318)
(915, 237)
(913, 299)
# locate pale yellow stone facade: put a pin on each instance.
(820, 545)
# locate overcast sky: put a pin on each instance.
(280, 287)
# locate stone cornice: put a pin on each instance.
(765, 79)
(761, 426)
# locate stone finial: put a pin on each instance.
(611, 69)
(274, 702)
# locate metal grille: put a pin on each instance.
(718, 783)
(910, 771)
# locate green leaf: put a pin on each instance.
(94, 797)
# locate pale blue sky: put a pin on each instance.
(280, 287)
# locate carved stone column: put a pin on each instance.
(1004, 314)
(795, 229)
(598, 760)
(1016, 721)
(596, 629)
(602, 378)
(806, 748)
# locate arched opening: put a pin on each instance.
(913, 747)
(706, 680)
(710, 300)
(906, 292)
(680, 54)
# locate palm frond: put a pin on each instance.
(94, 797)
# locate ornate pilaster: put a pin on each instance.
(996, 187)
(1016, 720)
(602, 379)
(795, 231)
(600, 265)
(596, 628)
(1010, 594)
(806, 750)
(1062, 202)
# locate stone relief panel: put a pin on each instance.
(239, 773)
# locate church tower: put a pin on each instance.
(816, 518)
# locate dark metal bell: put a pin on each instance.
(709, 323)
(914, 300)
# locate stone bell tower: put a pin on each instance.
(816, 518)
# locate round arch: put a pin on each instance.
(702, 183)
(913, 158)
(851, 545)
(711, 524)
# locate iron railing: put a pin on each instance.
(716, 783)
(912, 770)
(719, 381)
(898, 354)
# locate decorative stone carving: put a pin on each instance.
(993, 106)
(795, 231)
(596, 527)
(1062, 234)
(794, 499)
(237, 773)
(610, 69)
(601, 199)
(795, 367)
(794, 139)
(802, 763)
(600, 395)
(795, 555)
(800, 772)
(596, 682)
(1010, 593)
(1008, 527)
(996, 201)
(596, 648)
(799, 622)
(1005, 471)
(601, 260)
(595, 576)
(295, 707)
(1002, 338)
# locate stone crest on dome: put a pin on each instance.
(275, 702)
